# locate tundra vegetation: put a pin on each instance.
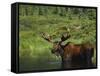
(34, 51)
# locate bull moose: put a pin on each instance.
(72, 55)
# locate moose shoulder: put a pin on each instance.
(72, 55)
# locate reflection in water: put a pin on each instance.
(35, 64)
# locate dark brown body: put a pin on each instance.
(77, 56)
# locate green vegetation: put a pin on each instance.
(34, 51)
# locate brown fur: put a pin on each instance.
(76, 55)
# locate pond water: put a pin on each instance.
(35, 65)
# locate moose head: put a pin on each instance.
(57, 45)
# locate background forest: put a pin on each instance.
(34, 51)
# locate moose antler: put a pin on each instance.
(46, 36)
(65, 36)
